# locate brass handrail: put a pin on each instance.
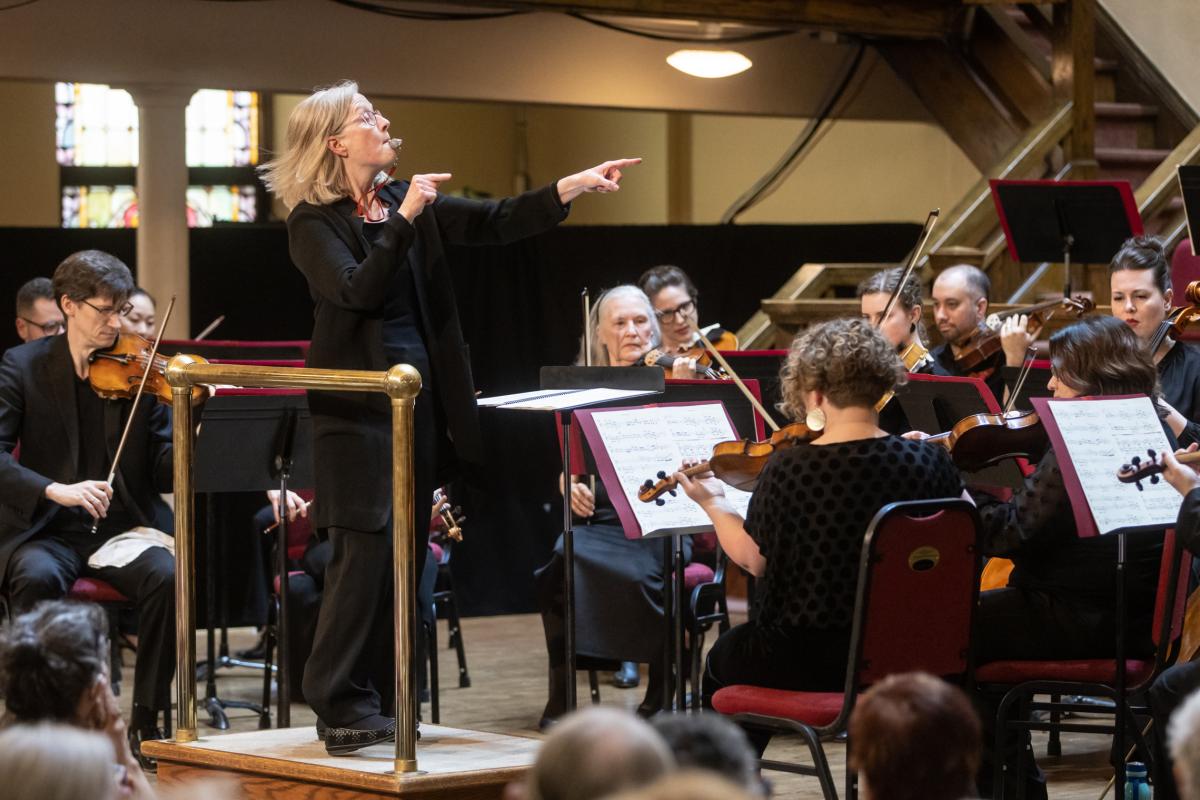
(401, 383)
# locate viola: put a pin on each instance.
(984, 342)
(116, 372)
(1137, 470)
(1179, 318)
(981, 440)
(736, 463)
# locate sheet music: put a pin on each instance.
(558, 399)
(642, 441)
(1101, 435)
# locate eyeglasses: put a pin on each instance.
(111, 311)
(368, 118)
(683, 310)
(49, 328)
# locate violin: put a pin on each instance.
(736, 463)
(1179, 318)
(984, 342)
(661, 358)
(914, 356)
(116, 372)
(450, 516)
(1137, 470)
(982, 440)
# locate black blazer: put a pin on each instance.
(37, 408)
(348, 280)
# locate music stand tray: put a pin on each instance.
(251, 440)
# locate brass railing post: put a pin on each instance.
(402, 384)
(185, 620)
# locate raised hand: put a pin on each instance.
(604, 177)
(422, 190)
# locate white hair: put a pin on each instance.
(1183, 737)
(56, 762)
(308, 171)
(599, 353)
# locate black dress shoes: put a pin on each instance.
(373, 730)
(627, 676)
(142, 734)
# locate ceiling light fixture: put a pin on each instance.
(709, 63)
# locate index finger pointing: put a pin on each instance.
(623, 162)
(438, 177)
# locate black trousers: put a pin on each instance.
(45, 567)
(1167, 694)
(351, 673)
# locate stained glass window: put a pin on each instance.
(97, 141)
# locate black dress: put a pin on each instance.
(808, 516)
(1179, 377)
(991, 371)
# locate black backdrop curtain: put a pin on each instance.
(520, 308)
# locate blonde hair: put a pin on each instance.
(32, 760)
(308, 171)
(599, 353)
(846, 359)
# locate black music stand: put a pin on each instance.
(1062, 221)
(1189, 187)
(255, 440)
(745, 421)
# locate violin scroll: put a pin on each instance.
(1137, 471)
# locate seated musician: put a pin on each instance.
(618, 581)
(57, 491)
(803, 533)
(1059, 599)
(960, 306)
(142, 319)
(37, 313)
(904, 329)
(675, 299)
(1142, 295)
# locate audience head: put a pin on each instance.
(960, 301)
(710, 742)
(904, 321)
(142, 319)
(51, 658)
(843, 363)
(689, 784)
(57, 762)
(92, 289)
(37, 313)
(1140, 281)
(597, 752)
(623, 327)
(674, 297)
(1100, 356)
(915, 737)
(1183, 739)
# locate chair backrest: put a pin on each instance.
(1170, 600)
(917, 590)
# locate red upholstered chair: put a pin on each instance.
(918, 583)
(1120, 681)
(704, 580)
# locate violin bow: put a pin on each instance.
(926, 232)
(586, 297)
(212, 326)
(1019, 384)
(112, 473)
(737, 380)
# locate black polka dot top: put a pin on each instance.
(811, 509)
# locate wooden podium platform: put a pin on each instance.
(291, 763)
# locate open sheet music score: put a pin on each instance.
(558, 399)
(1102, 434)
(633, 444)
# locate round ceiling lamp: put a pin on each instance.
(709, 63)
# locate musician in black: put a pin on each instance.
(675, 299)
(960, 306)
(1142, 297)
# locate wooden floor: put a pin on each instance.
(506, 658)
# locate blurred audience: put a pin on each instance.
(712, 743)
(50, 761)
(1183, 736)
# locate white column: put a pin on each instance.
(162, 237)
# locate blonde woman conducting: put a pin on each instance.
(373, 252)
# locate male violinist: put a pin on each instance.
(37, 313)
(52, 496)
(960, 305)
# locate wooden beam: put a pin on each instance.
(1072, 71)
(679, 168)
(912, 19)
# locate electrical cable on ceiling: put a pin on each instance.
(764, 185)
(756, 36)
(425, 16)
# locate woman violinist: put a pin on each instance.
(803, 533)
(618, 581)
(675, 299)
(373, 252)
(1059, 599)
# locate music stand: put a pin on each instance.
(1061, 221)
(251, 440)
(1189, 187)
(763, 365)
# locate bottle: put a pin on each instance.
(1136, 787)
